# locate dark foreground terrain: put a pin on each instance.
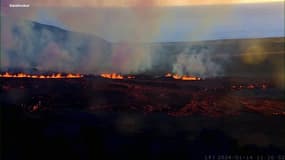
(158, 118)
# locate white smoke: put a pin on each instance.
(199, 63)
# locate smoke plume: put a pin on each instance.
(199, 63)
(131, 34)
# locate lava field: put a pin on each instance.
(157, 117)
(211, 97)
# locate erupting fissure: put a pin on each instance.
(116, 76)
(112, 76)
(182, 77)
(53, 76)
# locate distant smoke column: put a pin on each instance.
(191, 62)
(129, 58)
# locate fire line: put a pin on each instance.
(182, 77)
(53, 76)
(115, 76)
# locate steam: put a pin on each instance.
(125, 30)
(131, 58)
(30, 46)
(199, 63)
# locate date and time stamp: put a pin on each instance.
(244, 157)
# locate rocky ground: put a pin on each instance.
(155, 118)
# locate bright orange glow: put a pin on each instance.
(168, 75)
(175, 76)
(112, 76)
(73, 75)
(116, 76)
(53, 76)
(183, 77)
(190, 78)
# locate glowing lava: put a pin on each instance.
(182, 77)
(112, 76)
(53, 76)
(116, 76)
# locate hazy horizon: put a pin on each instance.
(165, 24)
(27, 46)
